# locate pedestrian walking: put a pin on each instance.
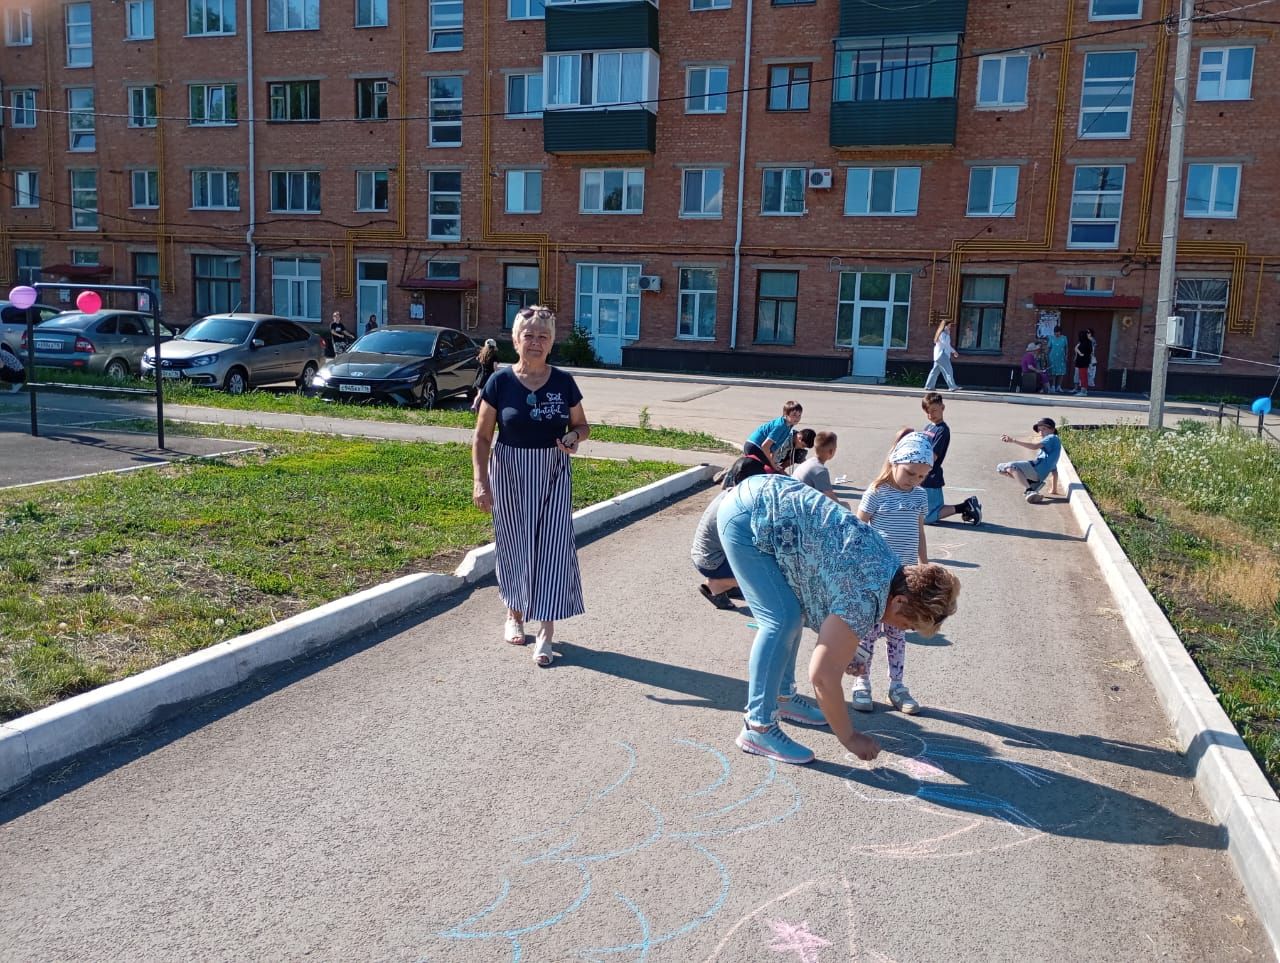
(943, 352)
(1031, 475)
(1057, 360)
(801, 558)
(939, 435)
(768, 438)
(1082, 359)
(525, 480)
(1093, 358)
(487, 358)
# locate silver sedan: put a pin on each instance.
(104, 342)
(239, 351)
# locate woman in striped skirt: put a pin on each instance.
(526, 481)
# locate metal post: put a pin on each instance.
(31, 369)
(1172, 198)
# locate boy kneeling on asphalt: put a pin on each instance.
(1031, 475)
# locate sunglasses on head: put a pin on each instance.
(539, 313)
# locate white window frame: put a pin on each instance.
(597, 180)
(1111, 91)
(517, 191)
(78, 132)
(292, 188)
(1220, 88)
(525, 80)
(856, 304)
(230, 96)
(445, 26)
(17, 27)
(630, 296)
(375, 14)
(444, 197)
(1135, 15)
(710, 100)
(26, 189)
(142, 106)
(140, 14)
(997, 173)
(709, 205)
(532, 10)
(697, 5)
(22, 108)
(1003, 100)
(378, 101)
(1191, 311)
(694, 298)
(280, 98)
(1097, 197)
(79, 34)
(295, 281)
(367, 190)
(289, 15)
(144, 188)
(783, 174)
(904, 189)
(1210, 210)
(84, 217)
(198, 16)
(637, 74)
(230, 184)
(445, 113)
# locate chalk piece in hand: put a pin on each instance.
(753, 625)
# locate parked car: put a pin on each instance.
(239, 351)
(105, 342)
(13, 322)
(409, 364)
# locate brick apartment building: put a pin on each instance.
(447, 161)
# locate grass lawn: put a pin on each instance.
(114, 574)
(1197, 510)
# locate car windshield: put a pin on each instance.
(415, 343)
(73, 320)
(218, 330)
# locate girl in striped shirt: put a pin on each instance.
(895, 506)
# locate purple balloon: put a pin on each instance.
(23, 296)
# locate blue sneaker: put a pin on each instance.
(774, 744)
(802, 710)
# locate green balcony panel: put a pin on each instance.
(899, 18)
(602, 26)
(598, 131)
(890, 123)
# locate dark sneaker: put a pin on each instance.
(736, 593)
(720, 601)
(1033, 496)
(971, 511)
(773, 743)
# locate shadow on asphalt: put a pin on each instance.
(708, 689)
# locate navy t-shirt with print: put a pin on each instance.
(532, 419)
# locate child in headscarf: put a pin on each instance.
(895, 505)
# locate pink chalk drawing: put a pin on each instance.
(798, 939)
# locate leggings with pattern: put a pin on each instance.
(897, 647)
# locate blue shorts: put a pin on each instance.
(935, 503)
(723, 570)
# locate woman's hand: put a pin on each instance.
(864, 747)
(566, 446)
(482, 498)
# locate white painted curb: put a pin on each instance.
(42, 740)
(1228, 777)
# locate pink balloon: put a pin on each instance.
(89, 301)
(23, 296)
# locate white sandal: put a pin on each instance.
(543, 653)
(513, 632)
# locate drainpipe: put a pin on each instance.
(253, 166)
(742, 173)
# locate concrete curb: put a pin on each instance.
(1227, 776)
(40, 741)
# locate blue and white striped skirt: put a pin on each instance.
(537, 559)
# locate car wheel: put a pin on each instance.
(430, 394)
(237, 382)
(118, 369)
(308, 372)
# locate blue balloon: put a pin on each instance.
(1261, 406)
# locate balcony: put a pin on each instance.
(876, 18)
(621, 25)
(595, 131)
(891, 123)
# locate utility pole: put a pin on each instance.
(1172, 198)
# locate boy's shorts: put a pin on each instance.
(935, 503)
(1026, 467)
(723, 570)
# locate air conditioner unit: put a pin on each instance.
(820, 178)
(650, 282)
(381, 87)
(1176, 333)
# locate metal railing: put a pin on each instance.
(1241, 416)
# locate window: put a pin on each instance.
(371, 99)
(519, 290)
(789, 87)
(886, 69)
(208, 18)
(1095, 207)
(526, 10)
(868, 304)
(86, 258)
(215, 190)
(783, 191)
(1002, 81)
(17, 27)
(1099, 285)
(710, 4)
(697, 318)
(81, 121)
(293, 14)
(445, 126)
(26, 262)
(146, 273)
(524, 192)
(1226, 73)
(212, 105)
(295, 100)
(438, 270)
(524, 95)
(146, 188)
(295, 191)
(993, 192)
(371, 13)
(981, 321)
(371, 190)
(615, 191)
(26, 188)
(444, 206)
(217, 282)
(84, 200)
(1202, 303)
(142, 106)
(882, 191)
(1115, 9)
(600, 79)
(79, 35)
(1213, 190)
(776, 293)
(1106, 100)
(609, 299)
(446, 24)
(295, 288)
(22, 108)
(706, 90)
(702, 192)
(140, 20)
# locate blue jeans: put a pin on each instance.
(775, 606)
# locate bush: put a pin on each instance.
(577, 351)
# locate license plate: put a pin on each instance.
(170, 374)
(48, 345)
(356, 389)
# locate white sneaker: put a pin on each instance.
(861, 695)
(901, 698)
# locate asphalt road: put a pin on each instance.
(428, 794)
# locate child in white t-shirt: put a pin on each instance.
(814, 472)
